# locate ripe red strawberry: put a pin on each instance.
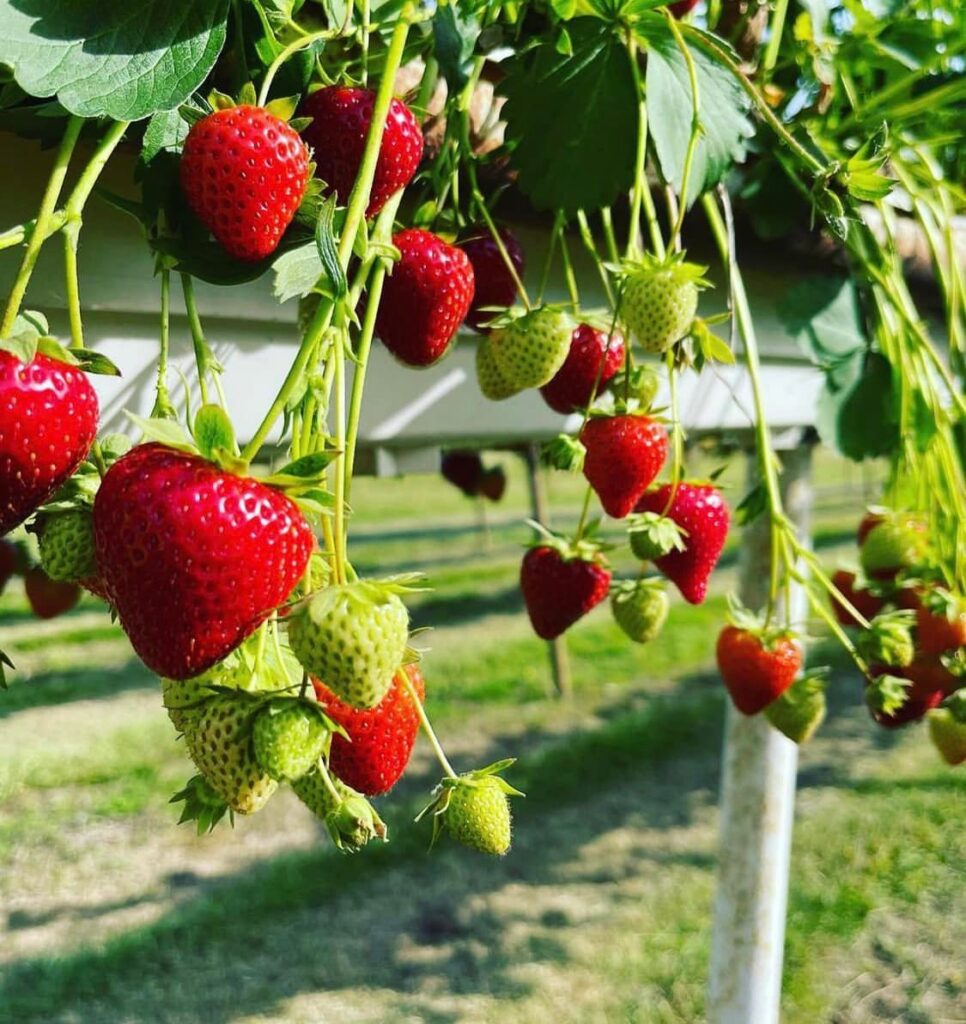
(192, 557)
(463, 470)
(493, 484)
(48, 419)
(340, 122)
(558, 590)
(495, 286)
(864, 602)
(682, 7)
(624, 455)
(701, 513)
(425, 299)
(940, 619)
(381, 738)
(756, 668)
(49, 598)
(924, 692)
(573, 384)
(243, 173)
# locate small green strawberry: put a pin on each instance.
(653, 536)
(289, 737)
(220, 744)
(352, 636)
(67, 545)
(184, 699)
(895, 543)
(800, 710)
(660, 299)
(640, 608)
(351, 820)
(492, 383)
(947, 729)
(530, 350)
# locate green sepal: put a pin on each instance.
(213, 432)
(587, 549)
(675, 262)
(165, 432)
(710, 348)
(565, 453)
(652, 535)
(283, 108)
(756, 624)
(325, 244)
(887, 693)
(640, 386)
(888, 640)
(201, 805)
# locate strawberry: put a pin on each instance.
(289, 737)
(640, 608)
(493, 484)
(800, 710)
(682, 7)
(531, 349)
(244, 173)
(48, 419)
(701, 513)
(624, 455)
(219, 741)
(592, 353)
(897, 696)
(757, 666)
(340, 123)
(864, 601)
(193, 558)
(940, 619)
(49, 598)
(495, 287)
(425, 299)
(354, 636)
(947, 730)
(560, 586)
(478, 816)
(8, 562)
(896, 543)
(67, 545)
(380, 739)
(463, 470)
(493, 385)
(350, 819)
(659, 301)
(874, 515)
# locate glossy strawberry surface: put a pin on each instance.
(756, 674)
(593, 359)
(495, 286)
(558, 591)
(624, 455)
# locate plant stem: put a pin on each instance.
(587, 238)
(609, 237)
(340, 473)
(569, 271)
(584, 512)
(427, 727)
(197, 336)
(72, 284)
(162, 401)
(328, 783)
(776, 28)
(39, 235)
(293, 47)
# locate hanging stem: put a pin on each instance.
(587, 237)
(569, 271)
(197, 336)
(427, 727)
(776, 28)
(340, 443)
(294, 47)
(162, 401)
(40, 233)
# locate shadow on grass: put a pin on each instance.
(450, 611)
(66, 685)
(314, 921)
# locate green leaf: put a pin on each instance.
(822, 314)
(166, 130)
(297, 272)
(722, 109)
(308, 467)
(213, 431)
(572, 121)
(858, 411)
(95, 362)
(117, 60)
(752, 505)
(164, 431)
(454, 38)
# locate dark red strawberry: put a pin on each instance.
(701, 513)
(193, 558)
(381, 738)
(48, 419)
(493, 484)
(757, 668)
(425, 299)
(926, 690)
(682, 7)
(573, 385)
(624, 455)
(244, 172)
(495, 286)
(463, 470)
(49, 598)
(559, 590)
(340, 122)
(940, 619)
(865, 603)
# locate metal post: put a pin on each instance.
(557, 649)
(757, 806)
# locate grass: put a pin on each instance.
(600, 914)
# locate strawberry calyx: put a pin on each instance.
(887, 693)
(202, 805)
(516, 315)
(652, 535)
(888, 640)
(619, 588)
(565, 453)
(585, 549)
(640, 386)
(673, 263)
(755, 624)
(30, 336)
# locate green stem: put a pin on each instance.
(427, 84)
(569, 271)
(72, 284)
(328, 783)
(340, 443)
(293, 47)
(40, 233)
(584, 512)
(587, 237)
(197, 336)
(610, 238)
(162, 401)
(776, 28)
(641, 192)
(428, 728)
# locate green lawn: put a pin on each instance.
(600, 913)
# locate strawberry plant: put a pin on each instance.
(276, 138)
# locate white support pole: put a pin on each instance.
(757, 808)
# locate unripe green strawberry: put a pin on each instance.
(354, 636)
(530, 350)
(660, 300)
(289, 737)
(184, 699)
(220, 744)
(899, 542)
(640, 608)
(800, 710)
(67, 545)
(351, 820)
(492, 383)
(948, 734)
(478, 814)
